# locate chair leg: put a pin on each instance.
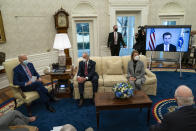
(28, 106)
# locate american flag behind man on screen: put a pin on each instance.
(152, 41)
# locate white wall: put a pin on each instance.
(29, 24)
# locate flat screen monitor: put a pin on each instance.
(168, 38)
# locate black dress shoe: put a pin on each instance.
(50, 108)
(54, 99)
(81, 102)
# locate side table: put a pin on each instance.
(67, 75)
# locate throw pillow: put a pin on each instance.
(114, 67)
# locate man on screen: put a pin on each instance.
(166, 46)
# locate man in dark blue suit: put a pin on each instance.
(28, 79)
(86, 72)
(166, 46)
(114, 41)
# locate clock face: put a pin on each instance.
(62, 21)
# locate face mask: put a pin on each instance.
(25, 62)
(84, 60)
(136, 58)
(116, 29)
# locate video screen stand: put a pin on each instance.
(177, 61)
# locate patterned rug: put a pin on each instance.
(7, 105)
(162, 107)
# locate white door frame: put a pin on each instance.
(137, 22)
(93, 26)
(139, 8)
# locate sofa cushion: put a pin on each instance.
(111, 80)
(98, 64)
(112, 65)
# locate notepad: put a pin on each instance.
(34, 78)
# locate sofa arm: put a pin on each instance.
(15, 87)
(75, 78)
(149, 73)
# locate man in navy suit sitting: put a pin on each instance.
(28, 79)
(183, 119)
(86, 72)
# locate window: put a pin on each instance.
(126, 27)
(83, 38)
(169, 23)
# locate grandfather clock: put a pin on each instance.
(62, 24)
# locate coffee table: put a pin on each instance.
(107, 101)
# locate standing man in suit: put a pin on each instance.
(114, 40)
(135, 71)
(166, 46)
(183, 119)
(28, 79)
(86, 72)
(13, 118)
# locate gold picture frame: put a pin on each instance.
(2, 33)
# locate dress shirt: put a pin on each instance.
(115, 38)
(87, 68)
(23, 66)
(166, 47)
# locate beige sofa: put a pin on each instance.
(112, 70)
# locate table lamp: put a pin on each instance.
(61, 42)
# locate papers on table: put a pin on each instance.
(34, 78)
(57, 128)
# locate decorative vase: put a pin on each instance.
(123, 90)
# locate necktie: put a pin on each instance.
(115, 41)
(28, 71)
(86, 70)
(167, 48)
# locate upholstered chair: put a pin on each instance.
(21, 97)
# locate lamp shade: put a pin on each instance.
(61, 41)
